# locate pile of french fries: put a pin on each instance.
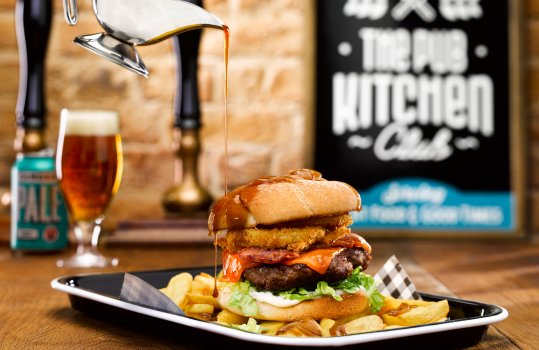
(194, 297)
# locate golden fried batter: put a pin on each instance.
(335, 234)
(291, 238)
(330, 221)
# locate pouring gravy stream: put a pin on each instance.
(226, 32)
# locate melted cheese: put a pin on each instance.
(317, 259)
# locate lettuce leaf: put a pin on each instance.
(241, 298)
(356, 281)
(362, 280)
(250, 326)
(322, 289)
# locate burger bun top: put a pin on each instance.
(300, 194)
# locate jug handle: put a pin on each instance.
(70, 11)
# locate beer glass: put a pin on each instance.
(89, 169)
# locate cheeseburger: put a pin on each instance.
(288, 253)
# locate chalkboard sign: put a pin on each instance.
(418, 107)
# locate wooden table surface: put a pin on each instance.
(32, 315)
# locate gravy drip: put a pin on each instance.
(226, 32)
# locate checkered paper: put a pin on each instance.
(393, 280)
(135, 290)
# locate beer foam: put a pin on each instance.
(90, 122)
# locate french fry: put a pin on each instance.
(271, 327)
(193, 298)
(204, 274)
(201, 287)
(303, 328)
(178, 287)
(350, 318)
(326, 324)
(200, 311)
(364, 324)
(419, 315)
(226, 316)
(392, 327)
(393, 304)
(205, 278)
(417, 302)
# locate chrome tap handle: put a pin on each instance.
(71, 13)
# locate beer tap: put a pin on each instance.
(187, 196)
(33, 23)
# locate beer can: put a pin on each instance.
(39, 219)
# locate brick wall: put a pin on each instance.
(266, 105)
(268, 101)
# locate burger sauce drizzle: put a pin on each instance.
(226, 32)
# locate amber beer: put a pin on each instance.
(90, 166)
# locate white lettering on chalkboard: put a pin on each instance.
(398, 142)
(464, 143)
(410, 79)
(454, 10)
(366, 9)
(424, 193)
(430, 214)
(453, 101)
(386, 49)
(451, 10)
(358, 141)
(421, 7)
(441, 51)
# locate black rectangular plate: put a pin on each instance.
(468, 322)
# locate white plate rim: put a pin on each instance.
(287, 341)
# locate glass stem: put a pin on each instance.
(95, 235)
(87, 234)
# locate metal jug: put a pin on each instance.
(128, 23)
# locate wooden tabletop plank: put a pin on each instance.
(505, 274)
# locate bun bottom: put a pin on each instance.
(316, 309)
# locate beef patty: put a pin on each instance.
(282, 277)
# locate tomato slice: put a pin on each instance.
(233, 266)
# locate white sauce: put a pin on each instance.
(342, 292)
(269, 298)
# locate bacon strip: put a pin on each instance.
(278, 256)
(351, 240)
(264, 256)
